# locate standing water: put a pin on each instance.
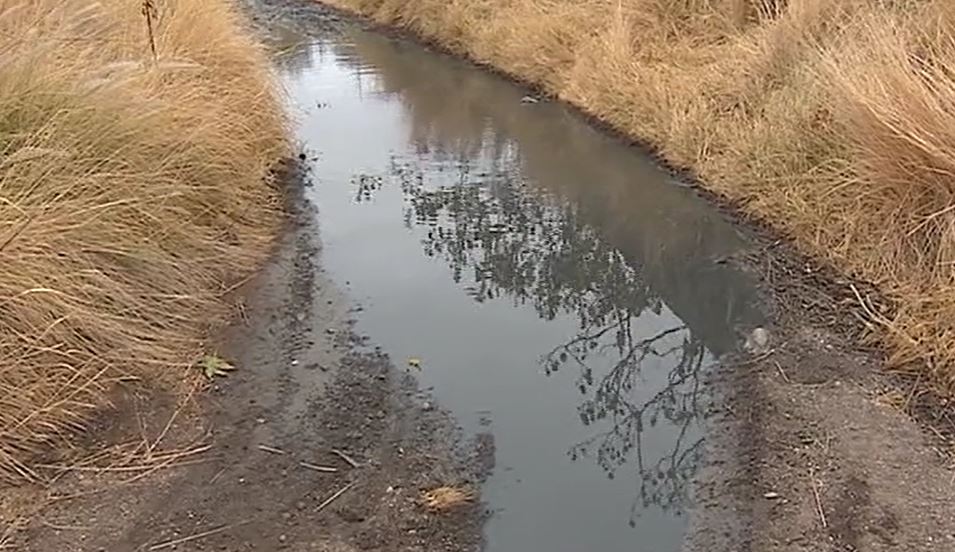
(561, 292)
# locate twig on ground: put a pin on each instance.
(332, 498)
(58, 527)
(782, 372)
(168, 462)
(160, 460)
(318, 468)
(351, 461)
(815, 493)
(172, 419)
(273, 450)
(217, 476)
(197, 536)
(911, 395)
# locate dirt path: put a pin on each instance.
(303, 390)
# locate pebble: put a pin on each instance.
(427, 406)
(760, 337)
(757, 341)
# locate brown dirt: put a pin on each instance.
(305, 386)
(815, 446)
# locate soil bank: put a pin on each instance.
(266, 469)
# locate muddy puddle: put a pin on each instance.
(549, 285)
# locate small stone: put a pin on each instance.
(761, 337)
(771, 495)
(294, 363)
(427, 406)
(282, 538)
(758, 341)
(286, 516)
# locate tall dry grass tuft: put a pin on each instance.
(133, 192)
(833, 120)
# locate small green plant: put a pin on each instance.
(213, 365)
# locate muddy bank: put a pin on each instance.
(265, 474)
(813, 445)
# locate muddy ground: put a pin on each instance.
(259, 469)
(812, 446)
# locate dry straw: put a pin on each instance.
(133, 191)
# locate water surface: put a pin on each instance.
(561, 291)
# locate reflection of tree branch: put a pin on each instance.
(499, 239)
(663, 483)
(558, 354)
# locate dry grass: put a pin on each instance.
(444, 499)
(133, 191)
(835, 121)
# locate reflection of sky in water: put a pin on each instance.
(553, 282)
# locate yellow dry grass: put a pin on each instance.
(133, 191)
(444, 499)
(833, 121)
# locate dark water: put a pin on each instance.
(558, 287)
